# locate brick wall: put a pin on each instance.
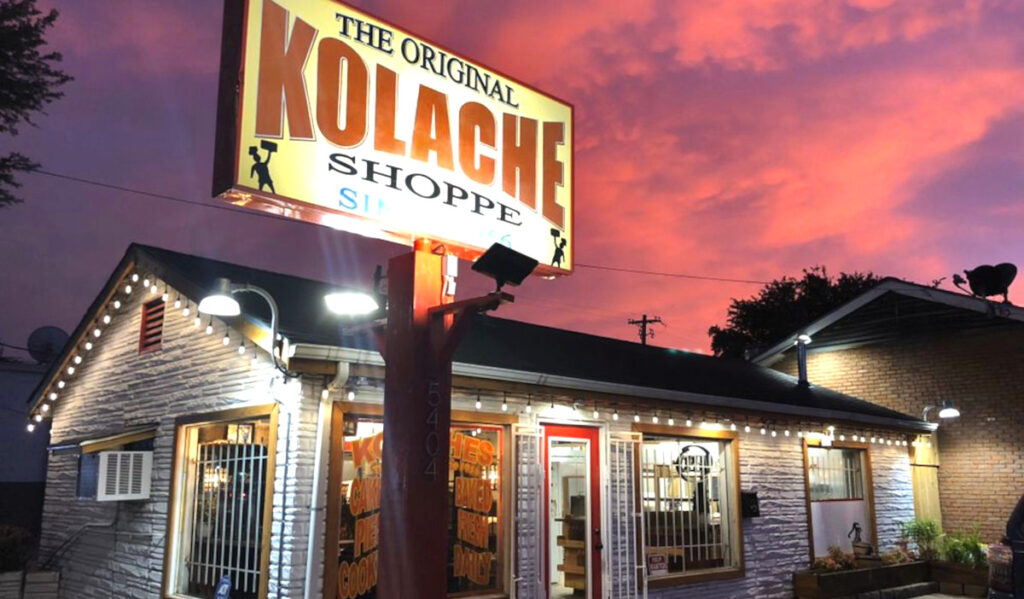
(117, 549)
(982, 453)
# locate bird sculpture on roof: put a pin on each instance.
(987, 280)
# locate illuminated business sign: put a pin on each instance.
(333, 116)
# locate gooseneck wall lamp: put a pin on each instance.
(946, 411)
(221, 302)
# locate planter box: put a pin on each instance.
(10, 585)
(960, 578)
(824, 585)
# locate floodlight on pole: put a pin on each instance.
(946, 410)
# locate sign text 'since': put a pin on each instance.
(356, 124)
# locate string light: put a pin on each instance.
(38, 417)
(746, 428)
(529, 405)
(241, 348)
(135, 277)
(671, 421)
(872, 439)
(842, 437)
(732, 427)
(31, 427)
(88, 345)
(504, 403)
(177, 302)
(165, 296)
(774, 432)
(636, 416)
(689, 422)
(800, 434)
(654, 419)
(154, 288)
(209, 327)
(226, 340)
(96, 332)
(45, 407)
(60, 384)
(117, 304)
(106, 318)
(71, 370)
(52, 396)
(128, 289)
(763, 431)
(596, 413)
(145, 282)
(77, 359)
(786, 432)
(186, 310)
(478, 404)
(615, 415)
(351, 395)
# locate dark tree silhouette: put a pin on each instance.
(29, 80)
(782, 307)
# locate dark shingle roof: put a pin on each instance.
(506, 344)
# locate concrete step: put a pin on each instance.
(903, 592)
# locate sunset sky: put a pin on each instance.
(739, 139)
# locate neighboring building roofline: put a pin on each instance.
(890, 284)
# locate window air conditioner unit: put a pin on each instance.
(124, 475)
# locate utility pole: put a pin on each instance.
(644, 331)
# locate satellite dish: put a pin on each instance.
(45, 343)
(987, 280)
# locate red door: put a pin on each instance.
(570, 435)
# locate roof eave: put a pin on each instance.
(955, 300)
(321, 352)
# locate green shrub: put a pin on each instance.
(924, 532)
(15, 548)
(964, 548)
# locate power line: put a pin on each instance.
(671, 274)
(228, 208)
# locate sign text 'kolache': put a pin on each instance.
(350, 122)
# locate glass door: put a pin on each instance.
(573, 511)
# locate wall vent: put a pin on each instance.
(124, 475)
(152, 330)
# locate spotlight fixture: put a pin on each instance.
(946, 410)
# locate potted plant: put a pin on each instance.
(924, 532)
(15, 549)
(962, 562)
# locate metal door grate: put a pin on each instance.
(625, 577)
(227, 523)
(528, 532)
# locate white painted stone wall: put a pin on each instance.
(117, 549)
(776, 544)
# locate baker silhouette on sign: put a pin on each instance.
(559, 241)
(261, 168)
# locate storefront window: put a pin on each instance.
(835, 474)
(359, 525)
(475, 526)
(222, 490)
(687, 496)
(475, 503)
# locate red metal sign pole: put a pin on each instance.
(421, 336)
